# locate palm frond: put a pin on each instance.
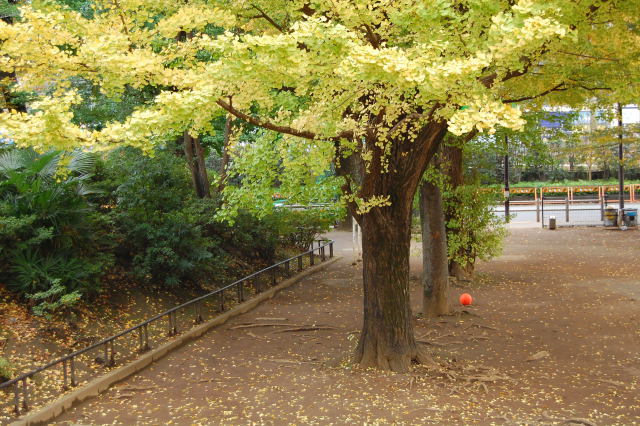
(46, 164)
(82, 162)
(12, 160)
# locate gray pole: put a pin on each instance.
(620, 151)
(506, 178)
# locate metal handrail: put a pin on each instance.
(107, 343)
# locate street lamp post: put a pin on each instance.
(620, 166)
(506, 178)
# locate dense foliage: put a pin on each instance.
(48, 231)
(68, 218)
(473, 230)
(558, 146)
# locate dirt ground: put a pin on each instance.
(553, 336)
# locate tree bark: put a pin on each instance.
(387, 340)
(194, 154)
(453, 160)
(5, 92)
(435, 275)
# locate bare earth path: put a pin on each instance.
(570, 298)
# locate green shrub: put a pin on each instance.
(160, 221)
(61, 228)
(6, 370)
(47, 231)
(34, 272)
(250, 237)
(473, 230)
(299, 228)
(55, 298)
(171, 250)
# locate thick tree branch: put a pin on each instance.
(124, 24)
(372, 37)
(278, 128)
(270, 20)
(556, 88)
(411, 117)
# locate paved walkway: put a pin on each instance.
(242, 375)
(552, 337)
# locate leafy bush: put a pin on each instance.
(159, 220)
(62, 227)
(473, 230)
(53, 299)
(6, 370)
(251, 238)
(299, 228)
(47, 231)
(34, 272)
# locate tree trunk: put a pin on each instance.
(194, 155)
(461, 273)
(435, 275)
(225, 153)
(453, 170)
(387, 341)
(8, 78)
(453, 165)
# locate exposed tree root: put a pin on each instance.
(376, 357)
(574, 421)
(270, 324)
(309, 328)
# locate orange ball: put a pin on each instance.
(466, 299)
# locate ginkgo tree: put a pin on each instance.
(372, 85)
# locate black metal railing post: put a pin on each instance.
(112, 356)
(240, 291)
(65, 379)
(173, 324)
(106, 354)
(198, 310)
(72, 369)
(16, 398)
(146, 346)
(25, 394)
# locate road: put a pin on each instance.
(581, 213)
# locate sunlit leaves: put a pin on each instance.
(320, 67)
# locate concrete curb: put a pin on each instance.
(100, 384)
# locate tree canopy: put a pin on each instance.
(323, 70)
(370, 85)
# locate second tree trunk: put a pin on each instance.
(194, 154)
(435, 276)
